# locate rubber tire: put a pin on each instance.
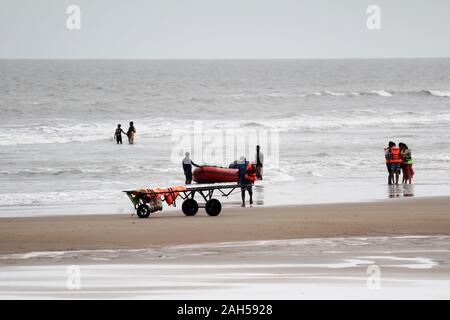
(213, 207)
(143, 211)
(190, 207)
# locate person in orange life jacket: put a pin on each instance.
(246, 178)
(393, 162)
(187, 167)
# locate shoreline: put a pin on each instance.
(266, 194)
(391, 217)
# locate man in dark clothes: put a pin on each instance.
(118, 134)
(259, 162)
(187, 167)
(246, 178)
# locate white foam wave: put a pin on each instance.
(438, 93)
(157, 128)
(122, 168)
(382, 93)
(67, 133)
(48, 198)
(336, 94)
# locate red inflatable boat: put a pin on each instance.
(211, 174)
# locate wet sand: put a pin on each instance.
(407, 216)
(338, 268)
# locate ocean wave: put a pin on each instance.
(266, 95)
(438, 93)
(59, 171)
(334, 94)
(21, 199)
(315, 174)
(322, 154)
(66, 133)
(252, 124)
(382, 93)
(57, 197)
(159, 128)
(385, 93)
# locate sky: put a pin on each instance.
(224, 29)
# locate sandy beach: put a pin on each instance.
(418, 216)
(375, 250)
(321, 115)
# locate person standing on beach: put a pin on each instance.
(118, 134)
(407, 169)
(246, 178)
(187, 167)
(259, 162)
(393, 162)
(131, 132)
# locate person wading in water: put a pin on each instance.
(393, 162)
(118, 134)
(130, 133)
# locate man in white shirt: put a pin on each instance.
(187, 167)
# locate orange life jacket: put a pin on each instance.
(394, 155)
(170, 194)
(250, 172)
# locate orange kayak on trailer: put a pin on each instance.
(211, 174)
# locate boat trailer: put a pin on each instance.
(147, 201)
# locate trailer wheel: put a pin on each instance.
(213, 207)
(190, 207)
(143, 211)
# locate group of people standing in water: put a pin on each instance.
(398, 158)
(130, 133)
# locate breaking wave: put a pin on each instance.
(158, 128)
(385, 93)
(48, 198)
(438, 93)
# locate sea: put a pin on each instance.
(328, 122)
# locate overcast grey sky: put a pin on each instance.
(224, 29)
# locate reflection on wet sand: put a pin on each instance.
(259, 195)
(404, 190)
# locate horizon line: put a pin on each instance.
(232, 59)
